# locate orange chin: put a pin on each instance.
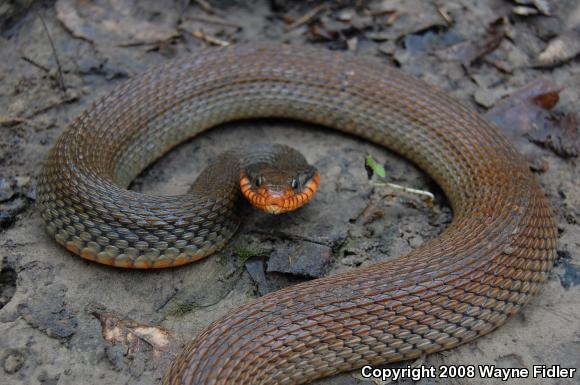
(280, 201)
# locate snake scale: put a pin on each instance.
(482, 269)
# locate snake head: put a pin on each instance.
(278, 190)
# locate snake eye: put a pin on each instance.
(294, 183)
(258, 181)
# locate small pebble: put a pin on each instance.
(13, 361)
(6, 189)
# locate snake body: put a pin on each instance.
(482, 269)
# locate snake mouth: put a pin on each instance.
(278, 201)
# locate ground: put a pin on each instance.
(518, 69)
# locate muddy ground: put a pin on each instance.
(516, 63)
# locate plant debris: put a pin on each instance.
(525, 11)
(99, 43)
(113, 22)
(539, 6)
(561, 136)
(526, 114)
(136, 337)
(373, 167)
(470, 51)
(561, 49)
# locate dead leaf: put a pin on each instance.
(136, 337)
(108, 22)
(561, 137)
(345, 15)
(470, 51)
(525, 11)
(487, 97)
(307, 17)
(525, 117)
(547, 100)
(541, 6)
(404, 17)
(560, 49)
(518, 114)
(377, 8)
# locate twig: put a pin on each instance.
(58, 66)
(426, 195)
(500, 67)
(306, 17)
(445, 15)
(369, 214)
(210, 39)
(7, 121)
(204, 5)
(216, 20)
(37, 65)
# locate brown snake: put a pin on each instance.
(482, 269)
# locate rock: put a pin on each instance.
(45, 379)
(388, 48)
(488, 97)
(268, 282)
(307, 259)
(255, 267)
(569, 274)
(8, 278)
(6, 189)
(10, 209)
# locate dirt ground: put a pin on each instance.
(513, 61)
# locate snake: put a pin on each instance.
(483, 268)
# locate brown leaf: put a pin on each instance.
(318, 32)
(524, 117)
(518, 114)
(547, 100)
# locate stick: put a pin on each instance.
(426, 195)
(210, 39)
(37, 65)
(58, 66)
(216, 20)
(306, 17)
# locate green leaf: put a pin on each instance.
(377, 168)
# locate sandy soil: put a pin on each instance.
(48, 297)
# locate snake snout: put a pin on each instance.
(276, 199)
(279, 201)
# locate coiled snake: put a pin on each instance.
(482, 269)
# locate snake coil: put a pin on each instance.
(482, 269)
